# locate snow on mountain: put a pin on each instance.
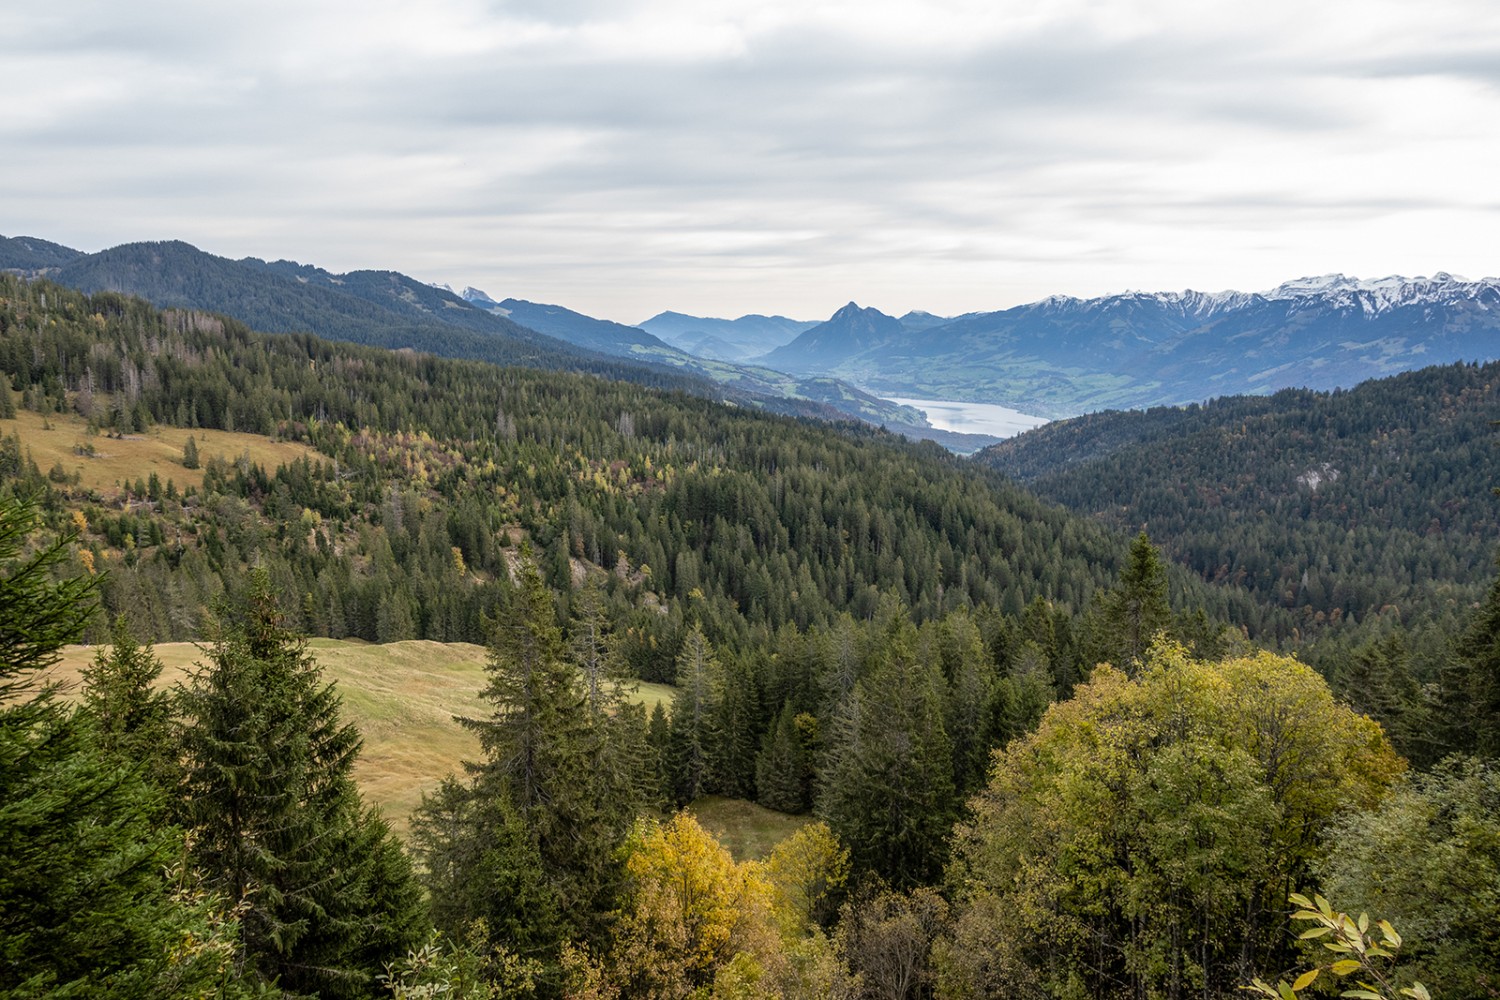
(474, 296)
(1379, 295)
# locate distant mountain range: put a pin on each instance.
(725, 339)
(1063, 356)
(392, 310)
(632, 342)
(1057, 357)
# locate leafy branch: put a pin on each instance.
(1362, 952)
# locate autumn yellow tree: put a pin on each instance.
(691, 910)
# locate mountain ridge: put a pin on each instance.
(1061, 355)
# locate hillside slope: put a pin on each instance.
(1370, 501)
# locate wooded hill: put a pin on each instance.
(1359, 505)
(389, 309)
(434, 466)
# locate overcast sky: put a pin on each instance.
(722, 157)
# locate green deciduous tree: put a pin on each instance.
(1142, 838)
(1428, 858)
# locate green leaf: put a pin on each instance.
(1314, 932)
(1344, 966)
(1364, 922)
(1297, 899)
(1286, 992)
(1365, 994)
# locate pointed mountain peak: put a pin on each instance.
(477, 297)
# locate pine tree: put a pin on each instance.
(276, 817)
(190, 454)
(84, 908)
(1135, 612)
(700, 685)
(781, 768)
(133, 718)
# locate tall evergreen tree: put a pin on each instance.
(887, 788)
(1132, 614)
(1469, 687)
(550, 776)
(781, 769)
(84, 908)
(700, 686)
(276, 817)
(738, 728)
(133, 717)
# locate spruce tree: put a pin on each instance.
(548, 775)
(1469, 686)
(887, 787)
(277, 821)
(85, 910)
(694, 742)
(781, 768)
(132, 716)
(1135, 612)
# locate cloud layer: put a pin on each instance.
(723, 156)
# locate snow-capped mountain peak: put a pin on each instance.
(474, 296)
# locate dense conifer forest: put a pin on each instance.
(1040, 758)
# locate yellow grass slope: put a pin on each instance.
(65, 440)
(402, 696)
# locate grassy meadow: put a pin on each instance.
(402, 696)
(59, 438)
(748, 831)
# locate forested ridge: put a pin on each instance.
(1357, 505)
(755, 520)
(875, 632)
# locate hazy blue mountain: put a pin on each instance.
(917, 320)
(565, 324)
(1064, 355)
(375, 308)
(727, 339)
(850, 332)
(29, 255)
(632, 342)
(713, 346)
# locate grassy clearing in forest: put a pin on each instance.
(749, 831)
(59, 438)
(402, 696)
